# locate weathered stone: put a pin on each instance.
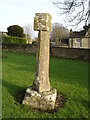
(43, 101)
(40, 95)
(42, 21)
(41, 82)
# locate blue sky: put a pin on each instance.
(22, 12)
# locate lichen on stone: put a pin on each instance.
(42, 21)
(44, 101)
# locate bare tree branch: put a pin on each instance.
(76, 11)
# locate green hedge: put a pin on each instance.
(13, 40)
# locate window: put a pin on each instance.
(77, 40)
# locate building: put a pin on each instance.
(80, 39)
(62, 42)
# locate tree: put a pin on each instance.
(58, 32)
(76, 11)
(28, 32)
(15, 30)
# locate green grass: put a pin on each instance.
(69, 77)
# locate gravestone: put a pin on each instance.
(41, 95)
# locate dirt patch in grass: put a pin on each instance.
(60, 101)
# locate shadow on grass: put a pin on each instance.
(16, 91)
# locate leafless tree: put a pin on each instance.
(76, 11)
(58, 32)
(28, 31)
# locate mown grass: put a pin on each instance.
(69, 77)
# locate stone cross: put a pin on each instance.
(40, 95)
(42, 23)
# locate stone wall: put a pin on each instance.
(20, 48)
(73, 53)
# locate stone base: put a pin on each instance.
(42, 101)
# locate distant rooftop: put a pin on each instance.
(79, 34)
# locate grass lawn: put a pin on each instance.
(69, 77)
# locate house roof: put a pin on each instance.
(79, 34)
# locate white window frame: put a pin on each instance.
(76, 40)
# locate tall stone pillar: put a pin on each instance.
(42, 23)
(41, 95)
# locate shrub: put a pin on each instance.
(13, 40)
(16, 30)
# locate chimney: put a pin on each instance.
(70, 30)
(70, 33)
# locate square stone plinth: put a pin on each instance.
(42, 21)
(42, 101)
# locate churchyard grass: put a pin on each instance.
(69, 77)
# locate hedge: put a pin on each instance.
(13, 40)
